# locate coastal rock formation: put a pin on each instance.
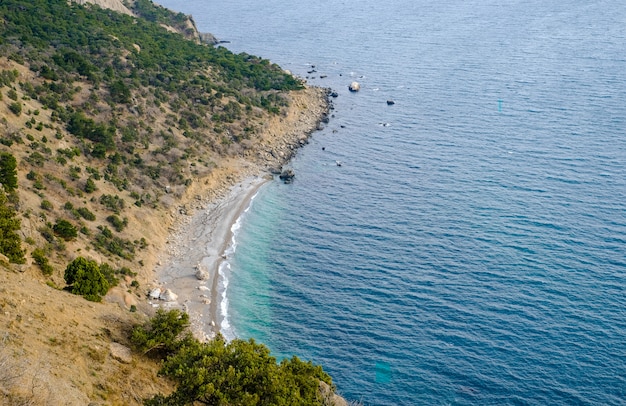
(354, 87)
(208, 38)
(287, 175)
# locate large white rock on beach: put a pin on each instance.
(154, 293)
(168, 296)
(202, 273)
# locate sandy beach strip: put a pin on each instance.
(200, 243)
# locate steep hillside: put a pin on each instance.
(119, 127)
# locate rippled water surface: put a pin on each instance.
(471, 249)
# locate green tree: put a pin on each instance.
(164, 334)
(10, 242)
(239, 373)
(8, 171)
(65, 230)
(85, 279)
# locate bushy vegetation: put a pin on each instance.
(84, 278)
(65, 230)
(10, 242)
(218, 372)
(41, 259)
(163, 335)
(8, 171)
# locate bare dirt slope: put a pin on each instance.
(59, 349)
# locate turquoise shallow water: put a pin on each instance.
(472, 247)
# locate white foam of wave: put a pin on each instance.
(224, 271)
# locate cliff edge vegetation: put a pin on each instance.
(112, 126)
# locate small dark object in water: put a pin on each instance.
(323, 148)
(390, 102)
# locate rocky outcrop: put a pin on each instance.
(115, 5)
(287, 175)
(207, 38)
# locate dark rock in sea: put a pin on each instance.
(390, 102)
(334, 94)
(325, 119)
(287, 175)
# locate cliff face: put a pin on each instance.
(115, 5)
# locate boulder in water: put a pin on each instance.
(354, 87)
(287, 175)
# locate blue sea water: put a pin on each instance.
(471, 249)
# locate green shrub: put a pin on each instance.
(86, 213)
(8, 171)
(41, 259)
(85, 279)
(16, 108)
(10, 242)
(113, 203)
(117, 223)
(90, 186)
(64, 229)
(164, 334)
(46, 205)
(109, 274)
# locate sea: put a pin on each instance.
(465, 245)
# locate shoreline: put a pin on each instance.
(201, 244)
(199, 240)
